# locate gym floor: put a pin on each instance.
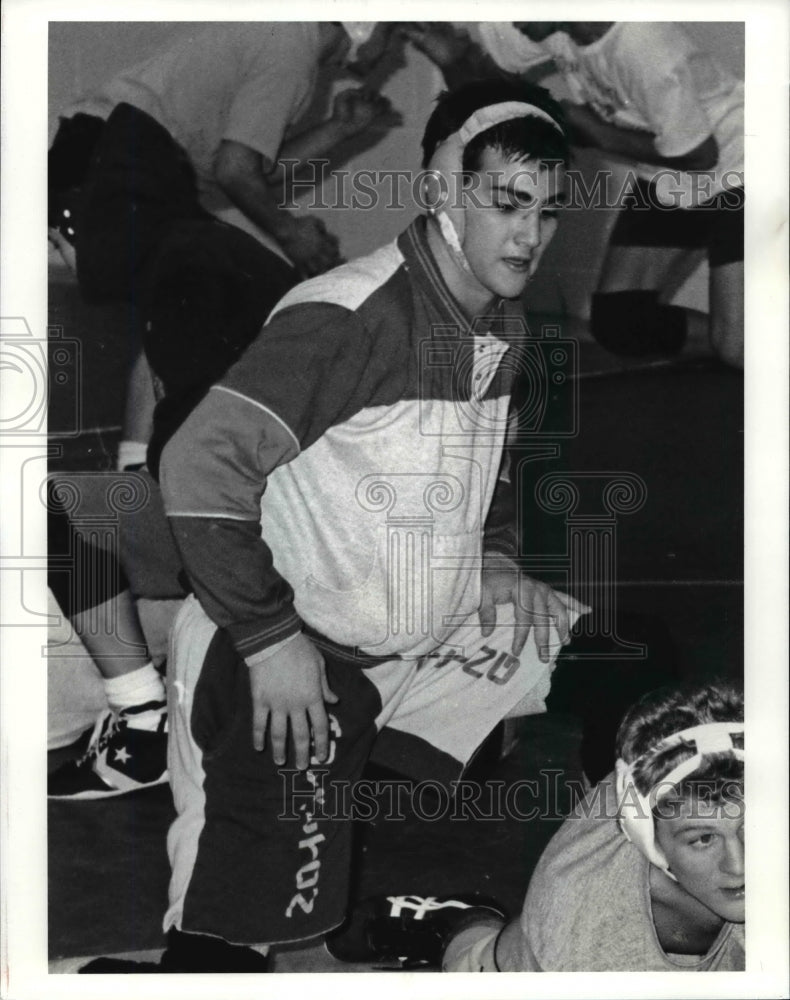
(676, 428)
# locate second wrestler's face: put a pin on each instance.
(703, 844)
(510, 218)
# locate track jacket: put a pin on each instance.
(342, 473)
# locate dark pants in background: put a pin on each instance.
(201, 289)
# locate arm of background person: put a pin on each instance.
(240, 172)
(456, 54)
(260, 188)
(588, 129)
(659, 68)
(354, 110)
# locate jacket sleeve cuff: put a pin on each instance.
(503, 543)
(251, 638)
(266, 654)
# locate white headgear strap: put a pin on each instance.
(446, 167)
(635, 811)
(359, 32)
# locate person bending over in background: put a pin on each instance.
(166, 185)
(646, 94)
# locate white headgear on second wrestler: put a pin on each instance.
(442, 187)
(359, 32)
(635, 811)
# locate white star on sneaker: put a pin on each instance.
(122, 755)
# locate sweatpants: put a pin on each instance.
(261, 854)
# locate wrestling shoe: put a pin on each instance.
(120, 758)
(186, 953)
(412, 930)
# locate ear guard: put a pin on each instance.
(359, 32)
(635, 811)
(442, 190)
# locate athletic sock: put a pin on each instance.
(138, 687)
(131, 453)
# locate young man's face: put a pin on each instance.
(510, 219)
(703, 844)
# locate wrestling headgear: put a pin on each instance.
(359, 32)
(635, 811)
(442, 186)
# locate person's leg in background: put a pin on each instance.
(138, 417)
(128, 747)
(726, 299)
(202, 288)
(652, 251)
(68, 163)
(205, 295)
(632, 314)
(725, 253)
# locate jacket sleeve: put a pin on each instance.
(301, 375)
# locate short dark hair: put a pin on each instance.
(519, 138)
(670, 710)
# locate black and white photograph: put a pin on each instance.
(394, 534)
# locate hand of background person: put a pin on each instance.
(358, 108)
(288, 691)
(440, 41)
(536, 605)
(311, 247)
